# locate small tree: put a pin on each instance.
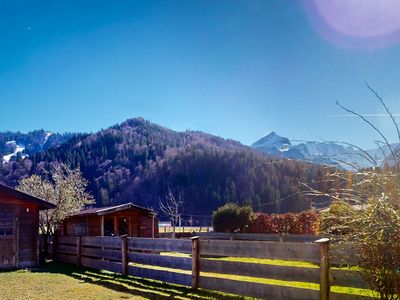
(374, 230)
(231, 217)
(65, 188)
(171, 206)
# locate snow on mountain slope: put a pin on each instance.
(328, 153)
(18, 149)
(273, 144)
(46, 138)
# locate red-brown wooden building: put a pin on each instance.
(128, 218)
(19, 228)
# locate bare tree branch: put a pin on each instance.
(373, 127)
(386, 108)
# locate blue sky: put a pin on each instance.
(238, 69)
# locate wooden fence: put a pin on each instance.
(301, 238)
(204, 268)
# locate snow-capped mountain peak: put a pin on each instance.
(329, 153)
(272, 141)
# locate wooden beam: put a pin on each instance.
(168, 245)
(124, 255)
(195, 261)
(115, 226)
(78, 252)
(324, 287)
(152, 226)
(129, 226)
(102, 225)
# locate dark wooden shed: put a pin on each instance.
(19, 228)
(128, 218)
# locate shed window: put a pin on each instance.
(6, 227)
(122, 226)
(79, 228)
(109, 227)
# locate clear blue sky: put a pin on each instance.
(238, 69)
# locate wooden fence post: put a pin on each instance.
(324, 286)
(124, 254)
(78, 252)
(195, 261)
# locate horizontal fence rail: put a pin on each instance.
(216, 264)
(273, 237)
(287, 251)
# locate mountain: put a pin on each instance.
(17, 144)
(326, 153)
(279, 146)
(137, 161)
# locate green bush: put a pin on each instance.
(337, 220)
(376, 237)
(232, 217)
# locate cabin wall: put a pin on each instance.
(94, 225)
(76, 226)
(19, 231)
(28, 236)
(133, 223)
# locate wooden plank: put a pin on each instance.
(66, 249)
(183, 263)
(339, 296)
(324, 287)
(107, 254)
(257, 290)
(178, 278)
(78, 252)
(124, 255)
(65, 258)
(273, 237)
(169, 245)
(102, 241)
(67, 240)
(101, 264)
(272, 250)
(348, 278)
(195, 262)
(260, 270)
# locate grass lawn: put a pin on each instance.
(62, 281)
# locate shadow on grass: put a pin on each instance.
(132, 286)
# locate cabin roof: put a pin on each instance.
(99, 211)
(43, 204)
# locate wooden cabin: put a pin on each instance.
(118, 220)
(19, 228)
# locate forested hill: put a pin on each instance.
(136, 161)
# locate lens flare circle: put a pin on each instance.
(359, 23)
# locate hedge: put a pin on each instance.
(306, 222)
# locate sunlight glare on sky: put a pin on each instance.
(373, 23)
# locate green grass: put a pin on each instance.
(275, 262)
(62, 281)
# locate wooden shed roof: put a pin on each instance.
(99, 211)
(43, 204)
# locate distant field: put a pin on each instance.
(167, 229)
(62, 281)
